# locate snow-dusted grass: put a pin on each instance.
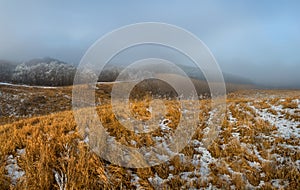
(257, 147)
(276, 115)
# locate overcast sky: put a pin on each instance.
(259, 40)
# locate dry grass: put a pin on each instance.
(244, 153)
(51, 145)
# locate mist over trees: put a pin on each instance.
(53, 72)
(6, 70)
(49, 72)
(46, 72)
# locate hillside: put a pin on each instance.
(257, 146)
(6, 70)
(53, 72)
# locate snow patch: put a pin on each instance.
(13, 169)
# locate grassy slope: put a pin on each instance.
(249, 151)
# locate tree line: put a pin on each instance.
(46, 72)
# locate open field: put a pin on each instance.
(257, 147)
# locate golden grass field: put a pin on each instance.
(257, 147)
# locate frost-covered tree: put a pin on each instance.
(46, 72)
(6, 70)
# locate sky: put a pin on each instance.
(259, 40)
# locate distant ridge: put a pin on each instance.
(49, 71)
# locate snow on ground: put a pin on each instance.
(28, 86)
(286, 128)
(202, 160)
(202, 157)
(17, 102)
(13, 169)
(230, 117)
(135, 181)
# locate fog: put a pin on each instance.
(257, 40)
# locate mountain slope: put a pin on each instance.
(257, 148)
